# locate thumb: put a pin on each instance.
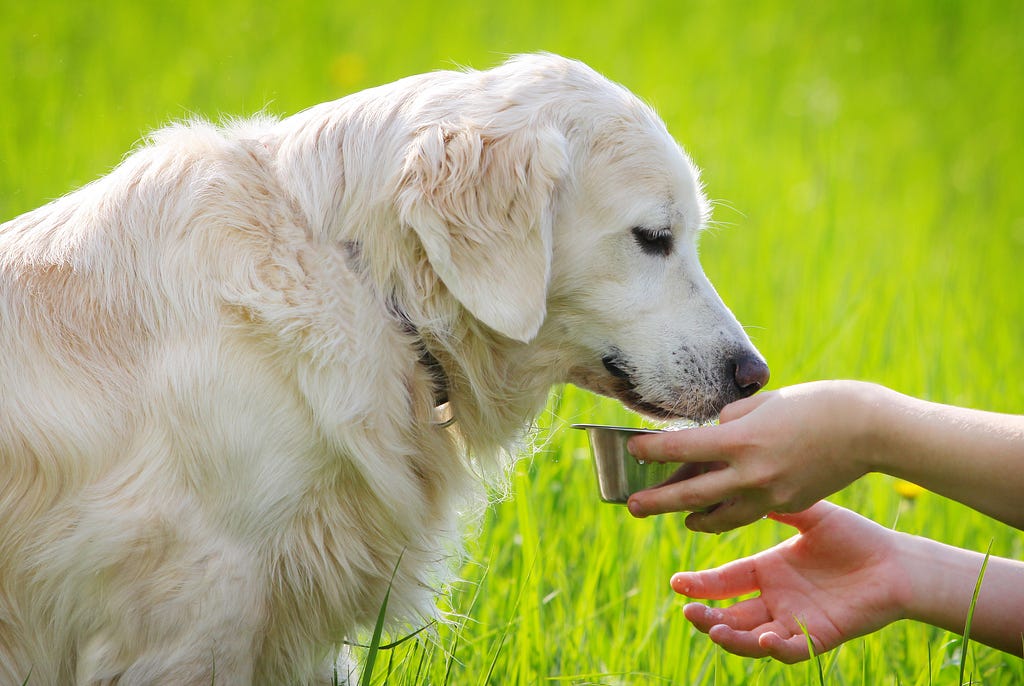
(742, 407)
(808, 519)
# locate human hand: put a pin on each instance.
(840, 577)
(778, 451)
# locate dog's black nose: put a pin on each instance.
(750, 373)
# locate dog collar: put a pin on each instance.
(443, 416)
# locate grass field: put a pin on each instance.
(867, 162)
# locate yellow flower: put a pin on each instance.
(907, 489)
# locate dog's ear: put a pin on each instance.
(481, 204)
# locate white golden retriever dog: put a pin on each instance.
(221, 362)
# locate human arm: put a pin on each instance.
(844, 576)
(783, 450)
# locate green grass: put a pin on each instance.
(867, 159)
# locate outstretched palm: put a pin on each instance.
(837, 577)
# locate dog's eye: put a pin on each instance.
(653, 241)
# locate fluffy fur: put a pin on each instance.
(217, 433)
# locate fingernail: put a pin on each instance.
(635, 509)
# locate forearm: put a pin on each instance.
(943, 584)
(974, 457)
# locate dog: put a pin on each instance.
(224, 363)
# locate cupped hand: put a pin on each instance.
(839, 578)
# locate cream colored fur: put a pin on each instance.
(216, 437)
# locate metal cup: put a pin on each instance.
(619, 473)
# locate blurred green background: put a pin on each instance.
(866, 162)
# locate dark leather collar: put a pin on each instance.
(442, 412)
(437, 374)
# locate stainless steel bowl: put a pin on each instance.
(619, 473)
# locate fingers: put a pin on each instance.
(761, 643)
(715, 448)
(728, 581)
(696, 493)
(742, 643)
(735, 513)
(703, 617)
(745, 615)
(748, 638)
(789, 650)
(710, 497)
(730, 514)
(699, 444)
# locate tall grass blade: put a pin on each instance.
(970, 613)
(450, 658)
(374, 647)
(391, 666)
(378, 629)
(514, 616)
(424, 661)
(929, 646)
(450, 654)
(810, 651)
(497, 652)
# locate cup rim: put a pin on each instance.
(608, 427)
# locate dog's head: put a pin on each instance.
(556, 208)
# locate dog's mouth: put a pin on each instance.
(617, 380)
(625, 390)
